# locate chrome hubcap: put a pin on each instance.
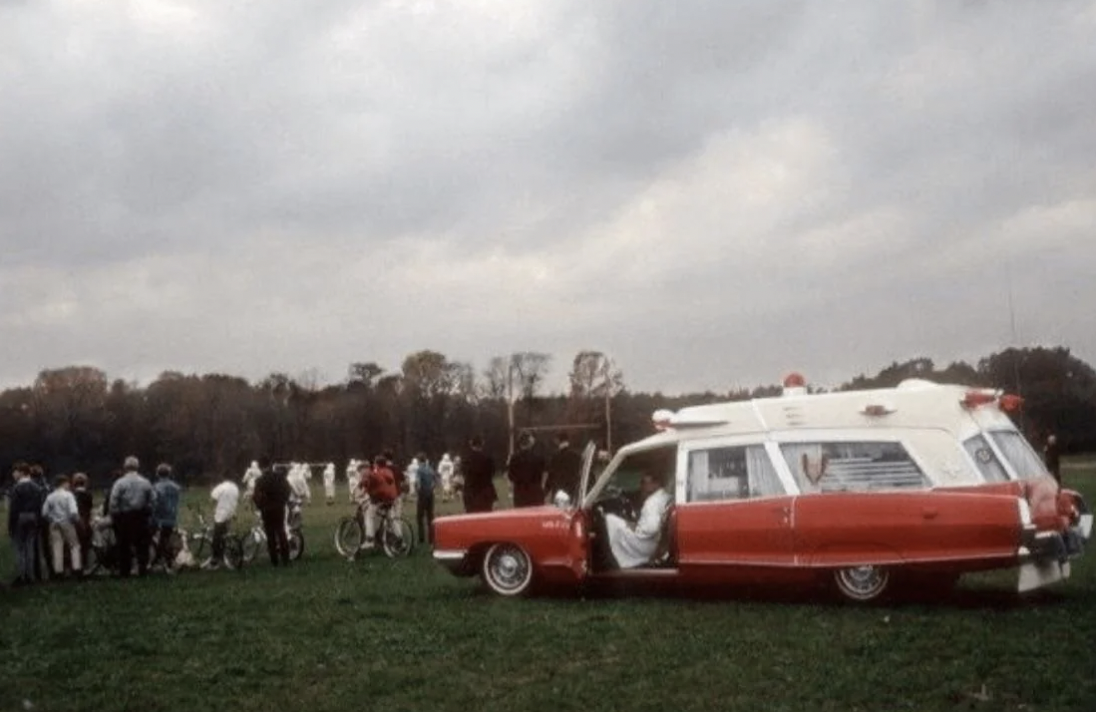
(510, 568)
(863, 581)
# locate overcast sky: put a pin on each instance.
(715, 193)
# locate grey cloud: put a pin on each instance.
(362, 149)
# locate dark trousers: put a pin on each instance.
(479, 500)
(133, 535)
(277, 543)
(528, 496)
(424, 516)
(83, 533)
(220, 531)
(26, 541)
(164, 554)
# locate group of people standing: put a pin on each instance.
(61, 520)
(533, 476)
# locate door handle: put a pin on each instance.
(929, 512)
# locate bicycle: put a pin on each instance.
(201, 544)
(397, 539)
(103, 554)
(105, 557)
(170, 561)
(254, 539)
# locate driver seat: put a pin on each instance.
(663, 553)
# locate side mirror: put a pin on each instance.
(562, 500)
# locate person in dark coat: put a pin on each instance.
(24, 516)
(564, 470)
(42, 567)
(272, 493)
(479, 473)
(1052, 458)
(526, 473)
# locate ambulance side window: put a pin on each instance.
(985, 459)
(731, 473)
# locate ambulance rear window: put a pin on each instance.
(1025, 463)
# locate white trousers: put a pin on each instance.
(61, 535)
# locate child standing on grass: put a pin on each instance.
(85, 503)
(61, 515)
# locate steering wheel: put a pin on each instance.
(616, 502)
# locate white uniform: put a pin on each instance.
(250, 476)
(227, 497)
(412, 475)
(632, 548)
(329, 482)
(445, 471)
(352, 479)
(298, 483)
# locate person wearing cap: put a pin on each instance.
(479, 473)
(353, 479)
(526, 473)
(165, 515)
(131, 502)
(61, 515)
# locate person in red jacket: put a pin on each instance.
(380, 485)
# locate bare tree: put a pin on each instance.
(594, 375)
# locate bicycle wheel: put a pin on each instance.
(202, 546)
(233, 556)
(99, 561)
(349, 537)
(252, 542)
(296, 544)
(397, 538)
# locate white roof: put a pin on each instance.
(914, 403)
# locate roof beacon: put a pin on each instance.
(795, 385)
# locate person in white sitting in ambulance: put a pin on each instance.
(633, 545)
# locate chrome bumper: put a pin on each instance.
(456, 560)
(1044, 557)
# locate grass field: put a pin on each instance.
(326, 634)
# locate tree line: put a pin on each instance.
(76, 418)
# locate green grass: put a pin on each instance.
(404, 635)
